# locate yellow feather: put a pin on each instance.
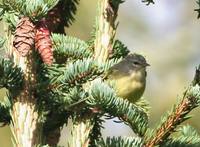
(130, 86)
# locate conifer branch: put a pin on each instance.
(119, 50)
(103, 43)
(67, 47)
(104, 98)
(33, 9)
(68, 10)
(196, 79)
(190, 100)
(148, 2)
(42, 98)
(198, 9)
(187, 136)
(5, 117)
(121, 142)
(25, 113)
(2, 41)
(11, 18)
(60, 16)
(81, 129)
(95, 133)
(77, 73)
(191, 141)
(105, 29)
(11, 76)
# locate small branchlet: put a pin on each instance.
(198, 10)
(191, 100)
(95, 133)
(5, 117)
(77, 73)
(187, 136)
(178, 114)
(120, 142)
(11, 76)
(119, 50)
(196, 79)
(35, 10)
(148, 2)
(68, 10)
(67, 47)
(105, 99)
(106, 26)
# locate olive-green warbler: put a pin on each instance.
(129, 77)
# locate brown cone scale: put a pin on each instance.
(24, 36)
(43, 43)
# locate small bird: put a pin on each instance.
(129, 77)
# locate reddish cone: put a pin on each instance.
(43, 43)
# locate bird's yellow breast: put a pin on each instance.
(131, 86)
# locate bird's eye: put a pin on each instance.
(136, 63)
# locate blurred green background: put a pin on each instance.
(167, 33)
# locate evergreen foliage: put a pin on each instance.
(175, 117)
(198, 10)
(2, 41)
(11, 76)
(186, 137)
(121, 142)
(33, 9)
(69, 9)
(148, 2)
(96, 131)
(11, 18)
(66, 47)
(74, 85)
(104, 97)
(5, 117)
(119, 50)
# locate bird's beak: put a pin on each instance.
(147, 64)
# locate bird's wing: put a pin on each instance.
(119, 69)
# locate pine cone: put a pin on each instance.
(24, 36)
(43, 43)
